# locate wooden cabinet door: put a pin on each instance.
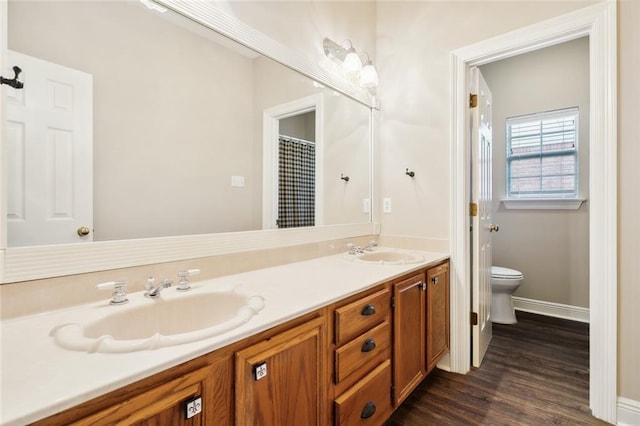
(409, 356)
(437, 314)
(163, 405)
(281, 381)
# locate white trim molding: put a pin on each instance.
(551, 309)
(628, 412)
(542, 203)
(598, 22)
(54, 261)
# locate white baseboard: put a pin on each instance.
(628, 412)
(551, 309)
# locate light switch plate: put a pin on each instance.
(386, 205)
(366, 205)
(237, 181)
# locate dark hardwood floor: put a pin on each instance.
(535, 372)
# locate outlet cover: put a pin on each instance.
(386, 205)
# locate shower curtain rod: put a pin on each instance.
(292, 139)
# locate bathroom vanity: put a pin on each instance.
(338, 342)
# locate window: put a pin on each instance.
(542, 155)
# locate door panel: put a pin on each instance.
(481, 146)
(49, 154)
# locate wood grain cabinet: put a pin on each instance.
(409, 334)
(420, 326)
(437, 314)
(362, 366)
(350, 370)
(279, 381)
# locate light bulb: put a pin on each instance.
(369, 76)
(352, 63)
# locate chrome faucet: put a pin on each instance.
(372, 244)
(354, 249)
(153, 291)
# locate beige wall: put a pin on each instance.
(628, 199)
(414, 41)
(302, 126)
(550, 247)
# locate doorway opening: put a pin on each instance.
(292, 164)
(599, 24)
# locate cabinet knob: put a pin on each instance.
(368, 410)
(434, 280)
(422, 286)
(368, 310)
(368, 345)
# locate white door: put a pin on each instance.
(49, 134)
(482, 227)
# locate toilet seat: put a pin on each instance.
(499, 272)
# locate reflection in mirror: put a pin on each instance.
(136, 124)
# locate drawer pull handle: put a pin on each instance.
(368, 410)
(368, 345)
(368, 310)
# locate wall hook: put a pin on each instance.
(13, 82)
(344, 178)
(409, 173)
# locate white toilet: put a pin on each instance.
(504, 282)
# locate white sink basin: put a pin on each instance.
(387, 257)
(172, 319)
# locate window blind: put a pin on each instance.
(542, 154)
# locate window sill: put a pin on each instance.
(543, 203)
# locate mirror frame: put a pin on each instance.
(38, 262)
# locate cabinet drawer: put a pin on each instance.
(355, 318)
(368, 402)
(362, 349)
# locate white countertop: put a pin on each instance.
(38, 378)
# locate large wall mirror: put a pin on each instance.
(139, 123)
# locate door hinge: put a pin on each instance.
(474, 318)
(393, 301)
(473, 209)
(473, 100)
(393, 394)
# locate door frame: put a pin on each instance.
(270, 146)
(599, 23)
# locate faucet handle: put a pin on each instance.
(183, 285)
(119, 296)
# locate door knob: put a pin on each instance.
(494, 228)
(83, 230)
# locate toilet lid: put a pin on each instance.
(500, 272)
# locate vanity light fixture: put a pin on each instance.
(369, 75)
(351, 62)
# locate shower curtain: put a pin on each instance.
(296, 183)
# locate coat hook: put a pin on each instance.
(13, 82)
(344, 178)
(409, 173)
